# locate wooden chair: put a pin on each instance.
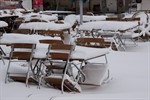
(113, 19)
(37, 20)
(22, 31)
(57, 72)
(17, 23)
(20, 52)
(91, 42)
(132, 19)
(48, 41)
(52, 33)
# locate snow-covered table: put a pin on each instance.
(45, 26)
(9, 38)
(87, 18)
(29, 16)
(108, 25)
(115, 28)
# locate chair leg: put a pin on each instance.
(108, 78)
(6, 77)
(2, 51)
(2, 59)
(27, 80)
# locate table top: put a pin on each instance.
(28, 16)
(23, 38)
(45, 26)
(87, 18)
(108, 25)
(58, 12)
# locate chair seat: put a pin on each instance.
(69, 85)
(23, 79)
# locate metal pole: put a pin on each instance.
(81, 11)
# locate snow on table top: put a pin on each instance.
(108, 25)
(27, 17)
(3, 24)
(91, 18)
(45, 26)
(23, 38)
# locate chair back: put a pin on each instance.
(91, 42)
(37, 20)
(52, 33)
(22, 31)
(113, 19)
(48, 41)
(61, 52)
(22, 51)
(132, 19)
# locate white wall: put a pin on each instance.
(27, 4)
(145, 5)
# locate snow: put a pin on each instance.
(129, 69)
(108, 25)
(45, 26)
(47, 18)
(3, 24)
(87, 18)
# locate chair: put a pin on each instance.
(22, 31)
(37, 20)
(94, 43)
(48, 41)
(131, 19)
(17, 22)
(41, 61)
(58, 74)
(91, 42)
(52, 33)
(111, 37)
(132, 34)
(20, 52)
(113, 19)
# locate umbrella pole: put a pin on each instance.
(81, 11)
